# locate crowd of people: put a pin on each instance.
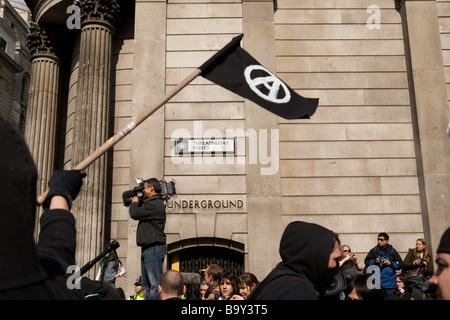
(383, 274)
(407, 279)
(219, 285)
(398, 279)
(311, 255)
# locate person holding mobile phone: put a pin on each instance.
(349, 260)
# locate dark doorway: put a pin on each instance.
(197, 258)
(190, 261)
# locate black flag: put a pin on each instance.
(236, 70)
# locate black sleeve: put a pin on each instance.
(148, 211)
(398, 261)
(371, 256)
(57, 239)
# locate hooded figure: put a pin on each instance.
(303, 273)
(439, 283)
(28, 271)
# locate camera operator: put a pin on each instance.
(27, 270)
(150, 235)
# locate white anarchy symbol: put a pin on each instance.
(271, 82)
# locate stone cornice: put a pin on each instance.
(9, 63)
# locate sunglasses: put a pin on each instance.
(381, 239)
(347, 250)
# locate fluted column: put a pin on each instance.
(91, 119)
(40, 130)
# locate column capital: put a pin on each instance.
(42, 40)
(99, 11)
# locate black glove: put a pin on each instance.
(66, 184)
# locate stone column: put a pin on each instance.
(40, 131)
(146, 162)
(263, 188)
(430, 113)
(90, 129)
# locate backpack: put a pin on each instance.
(416, 289)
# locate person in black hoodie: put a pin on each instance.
(29, 271)
(308, 252)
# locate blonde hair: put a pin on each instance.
(425, 250)
(342, 251)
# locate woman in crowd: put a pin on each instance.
(113, 269)
(418, 261)
(399, 293)
(359, 290)
(246, 282)
(349, 260)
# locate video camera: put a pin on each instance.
(167, 191)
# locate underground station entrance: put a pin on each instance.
(191, 256)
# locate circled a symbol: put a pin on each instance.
(267, 87)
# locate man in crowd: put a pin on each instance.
(150, 236)
(171, 286)
(440, 281)
(309, 253)
(138, 291)
(212, 276)
(387, 258)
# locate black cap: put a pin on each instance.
(138, 281)
(444, 245)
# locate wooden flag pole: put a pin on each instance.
(127, 129)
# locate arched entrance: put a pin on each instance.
(192, 255)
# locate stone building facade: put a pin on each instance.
(14, 62)
(373, 158)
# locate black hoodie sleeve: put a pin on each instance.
(57, 240)
(288, 288)
(397, 262)
(370, 258)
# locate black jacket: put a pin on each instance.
(45, 275)
(388, 272)
(305, 250)
(152, 221)
(28, 271)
